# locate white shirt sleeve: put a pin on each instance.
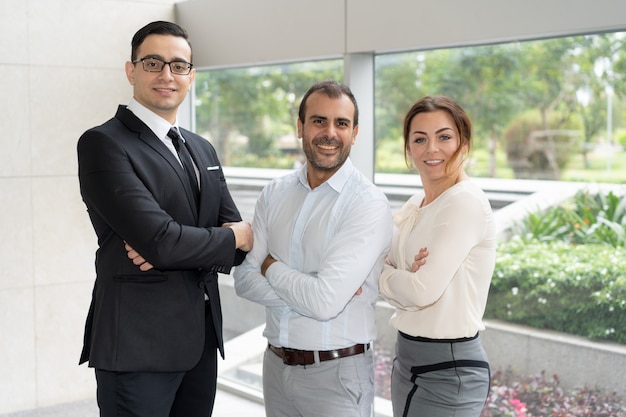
(249, 282)
(357, 246)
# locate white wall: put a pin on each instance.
(423, 24)
(241, 32)
(62, 72)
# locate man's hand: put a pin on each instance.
(137, 258)
(269, 260)
(420, 259)
(244, 239)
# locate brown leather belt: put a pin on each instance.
(307, 357)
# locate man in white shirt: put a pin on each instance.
(321, 235)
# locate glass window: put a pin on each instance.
(249, 114)
(547, 109)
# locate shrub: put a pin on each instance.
(576, 289)
(533, 152)
(566, 269)
(590, 217)
(621, 139)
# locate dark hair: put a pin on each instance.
(331, 89)
(430, 104)
(156, 28)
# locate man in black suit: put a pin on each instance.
(152, 334)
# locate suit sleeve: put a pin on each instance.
(138, 200)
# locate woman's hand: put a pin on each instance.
(419, 260)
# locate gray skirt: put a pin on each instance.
(439, 378)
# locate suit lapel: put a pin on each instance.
(147, 136)
(210, 173)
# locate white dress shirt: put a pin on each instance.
(328, 242)
(156, 123)
(160, 127)
(446, 297)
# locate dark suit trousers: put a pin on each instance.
(163, 394)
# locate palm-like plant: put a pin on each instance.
(590, 217)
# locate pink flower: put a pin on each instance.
(520, 407)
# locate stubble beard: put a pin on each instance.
(317, 162)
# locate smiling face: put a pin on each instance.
(432, 145)
(328, 133)
(161, 92)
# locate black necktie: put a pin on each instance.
(185, 159)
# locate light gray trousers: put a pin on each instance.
(340, 387)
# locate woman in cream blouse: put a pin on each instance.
(438, 271)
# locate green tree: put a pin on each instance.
(398, 86)
(247, 105)
(245, 110)
(487, 82)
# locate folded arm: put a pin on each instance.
(356, 248)
(451, 240)
(121, 197)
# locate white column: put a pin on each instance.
(359, 76)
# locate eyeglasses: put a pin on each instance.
(157, 65)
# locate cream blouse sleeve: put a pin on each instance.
(449, 228)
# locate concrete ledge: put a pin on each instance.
(577, 361)
(397, 186)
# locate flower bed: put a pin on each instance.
(513, 395)
(542, 396)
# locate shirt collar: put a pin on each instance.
(156, 123)
(336, 182)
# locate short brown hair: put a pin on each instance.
(331, 89)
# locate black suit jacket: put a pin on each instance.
(136, 191)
